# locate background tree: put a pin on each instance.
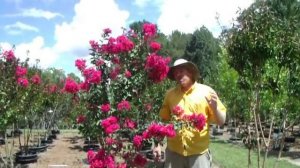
(203, 50)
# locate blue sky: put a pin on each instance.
(57, 32)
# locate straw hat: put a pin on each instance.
(191, 67)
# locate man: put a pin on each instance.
(192, 97)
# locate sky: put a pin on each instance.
(57, 32)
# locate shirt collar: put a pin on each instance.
(188, 91)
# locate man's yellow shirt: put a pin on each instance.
(192, 101)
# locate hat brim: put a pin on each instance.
(189, 66)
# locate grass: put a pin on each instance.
(228, 155)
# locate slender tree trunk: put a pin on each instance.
(267, 144)
(281, 141)
(255, 114)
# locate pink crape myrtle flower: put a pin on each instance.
(129, 123)
(36, 79)
(71, 86)
(124, 44)
(85, 86)
(128, 74)
(105, 108)
(80, 119)
(149, 30)
(198, 120)
(155, 46)
(107, 31)
(157, 67)
(80, 64)
(9, 55)
(177, 110)
(23, 82)
(110, 124)
(114, 73)
(140, 160)
(138, 141)
(159, 131)
(95, 46)
(92, 75)
(124, 106)
(21, 71)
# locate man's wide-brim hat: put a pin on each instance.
(191, 67)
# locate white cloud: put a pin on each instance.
(91, 17)
(38, 13)
(35, 50)
(189, 15)
(19, 27)
(141, 3)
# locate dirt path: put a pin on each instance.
(65, 151)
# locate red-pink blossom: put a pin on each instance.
(80, 64)
(107, 31)
(85, 86)
(9, 55)
(159, 131)
(92, 75)
(129, 124)
(127, 74)
(110, 124)
(122, 165)
(155, 46)
(124, 44)
(80, 119)
(198, 120)
(105, 108)
(115, 60)
(149, 30)
(99, 62)
(114, 73)
(23, 82)
(123, 105)
(94, 45)
(51, 88)
(137, 141)
(71, 86)
(112, 128)
(140, 160)
(36, 79)
(110, 141)
(21, 71)
(157, 67)
(177, 110)
(148, 107)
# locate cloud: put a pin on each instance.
(189, 15)
(19, 27)
(91, 17)
(141, 3)
(36, 13)
(35, 50)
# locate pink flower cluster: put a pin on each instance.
(102, 160)
(22, 82)
(118, 45)
(36, 79)
(80, 64)
(21, 71)
(157, 67)
(124, 106)
(92, 75)
(80, 119)
(159, 131)
(178, 111)
(51, 88)
(130, 124)
(198, 120)
(105, 108)
(110, 124)
(155, 46)
(9, 55)
(149, 30)
(71, 86)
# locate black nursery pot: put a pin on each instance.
(24, 158)
(38, 149)
(93, 147)
(2, 141)
(55, 132)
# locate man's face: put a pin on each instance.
(182, 76)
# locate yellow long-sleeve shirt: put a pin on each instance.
(192, 101)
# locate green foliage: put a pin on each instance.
(203, 50)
